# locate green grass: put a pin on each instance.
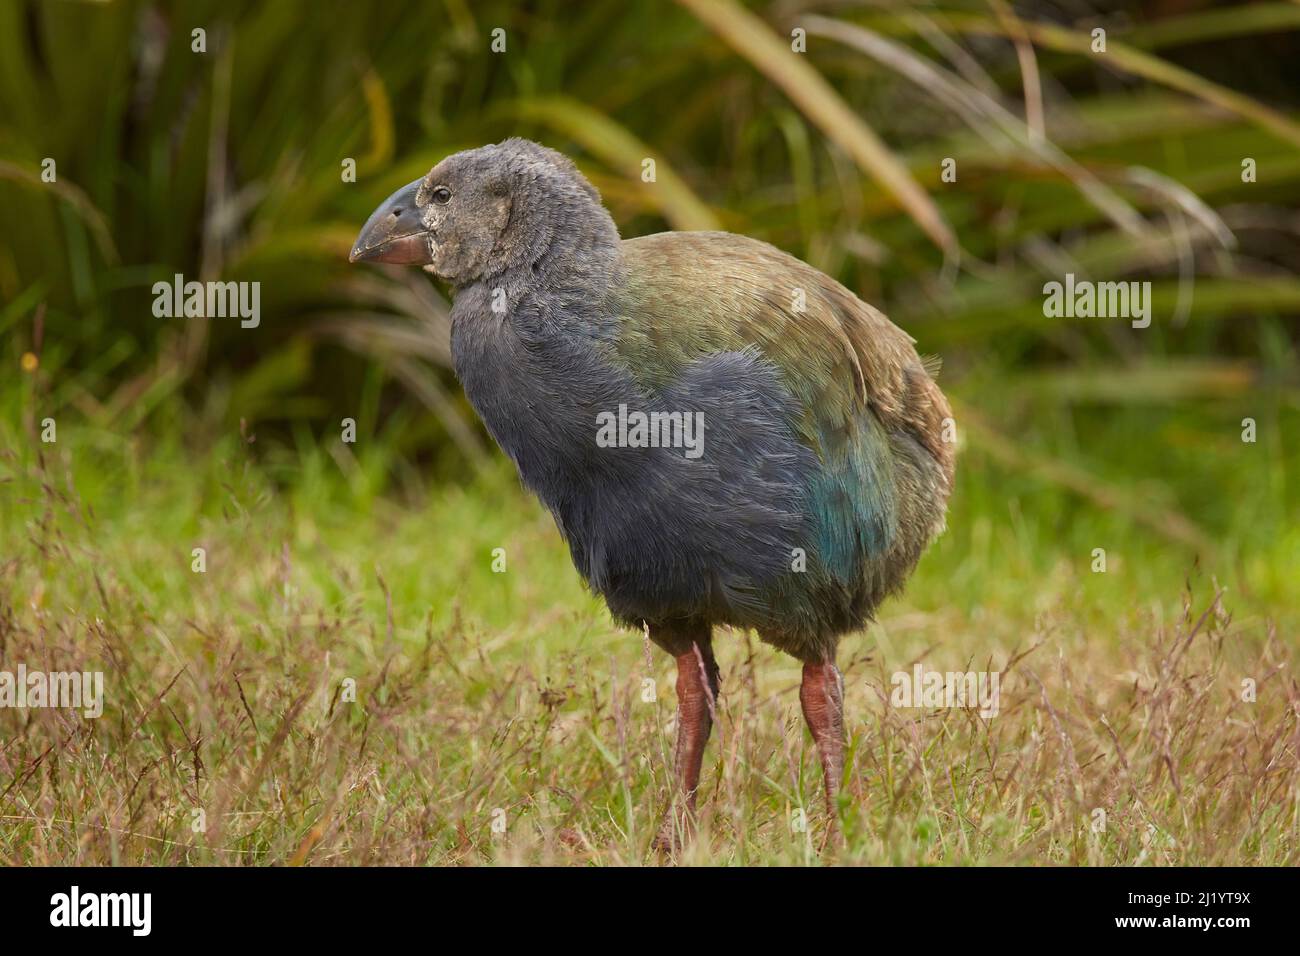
(480, 691)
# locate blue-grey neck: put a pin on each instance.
(526, 341)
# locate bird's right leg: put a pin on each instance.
(697, 697)
(822, 701)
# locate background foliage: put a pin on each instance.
(1117, 165)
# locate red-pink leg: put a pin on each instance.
(697, 696)
(823, 709)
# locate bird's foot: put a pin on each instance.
(676, 830)
(832, 841)
(666, 842)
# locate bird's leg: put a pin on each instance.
(823, 709)
(697, 696)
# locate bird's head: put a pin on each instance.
(483, 211)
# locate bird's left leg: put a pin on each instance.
(697, 698)
(822, 700)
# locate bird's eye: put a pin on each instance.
(442, 195)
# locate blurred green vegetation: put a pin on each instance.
(1125, 164)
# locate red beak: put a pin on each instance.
(395, 233)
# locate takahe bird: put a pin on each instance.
(822, 473)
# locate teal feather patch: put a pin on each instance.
(853, 501)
